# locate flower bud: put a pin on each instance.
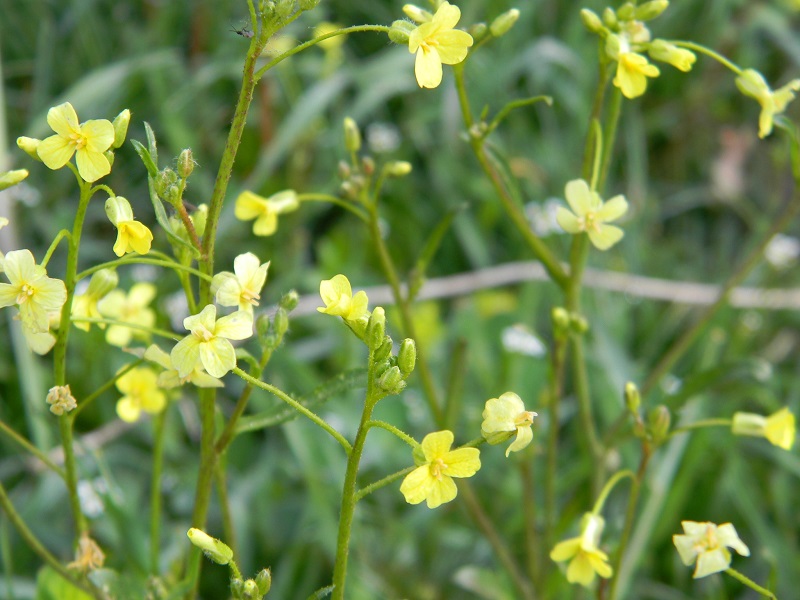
(308, 4)
(250, 590)
(213, 548)
(659, 421)
(633, 399)
(392, 381)
(281, 322)
(289, 301)
(61, 400)
(650, 10)
(352, 135)
(415, 13)
(407, 357)
(102, 282)
(264, 581)
(199, 218)
(680, 58)
(578, 323)
(384, 351)
(263, 328)
(399, 31)
(610, 18)
(397, 168)
(591, 21)
(560, 318)
(165, 178)
(237, 587)
(368, 165)
(344, 170)
(376, 328)
(120, 123)
(478, 31)
(626, 12)
(118, 209)
(504, 22)
(185, 163)
(30, 146)
(109, 154)
(11, 178)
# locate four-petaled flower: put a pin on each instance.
(586, 560)
(707, 544)
(265, 211)
(29, 287)
(170, 378)
(432, 480)
(242, 288)
(751, 83)
(84, 306)
(779, 428)
(141, 393)
(339, 300)
(132, 236)
(436, 42)
(208, 343)
(89, 140)
(591, 214)
(133, 308)
(632, 73)
(505, 416)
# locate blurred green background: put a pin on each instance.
(701, 186)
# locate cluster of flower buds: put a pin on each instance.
(270, 330)
(566, 323)
(252, 589)
(391, 371)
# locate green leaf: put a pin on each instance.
(151, 141)
(147, 159)
(52, 586)
(417, 276)
(163, 220)
(322, 593)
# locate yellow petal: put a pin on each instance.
(436, 444)
(235, 326)
(266, 224)
(452, 48)
(428, 68)
(580, 570)
(55, 151)
(99, 134)
(217, 356)
(249, 206)
(605, 237)
(565, 550)
(63, 119)
(462, 462)
(185, 355)
(416, 485)
(441, 491)
(92, 165)
(128, 409)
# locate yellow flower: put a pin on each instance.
(433, 479)
(31, 290)
(591, 214)
(779, 428)
(632, 73)
(141, 393)
(132, 236)
(265, 211)
(88, 556)
(707, 544)
(242, 288)
(586, 560)
(90, 140)
(170, 378)
(436, 42)
(751, 83)
(85, 305)
(133, 308)
(680, 58)
(505, 416)
(339, 300)
(208, 344)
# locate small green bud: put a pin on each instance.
(626, 12)
(289, 301)
(185, 163)
(109, 157)
(415, 13)
(30, 146)
(610, 18)
(399, 31)
(384, 351)
(264, 581)
(284, 9)
(120, 123)
(11, 178)
(250, 590)
(237, 588)
(650, 10)
(612, 46)
(281, 322)
(578, 323)
(633, 399)
(173, 195)
(348, 190)
(397, 168)
(591, 21)
(263, 328)
(504, 22)
(344, 170)
(376, 328)
(352, 135)
(560, 318)
(392, 381)
(407, 357)
(199, 218)
(478, 31)
(213, 548)
(165, 178)
(659, 421)
(308, 4)
(102, 282)
(368, 165)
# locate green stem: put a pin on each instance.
(103, 388)
(159, 427)
(297, 406)
(159, 332)
(701, 424)
(615, 479)
(61, 235)
(367, 490)
(751, 584)
(32, 449)
(392, 429)
(229, 532)
(557, 367)
(533, 543)
(139, 260)
(35, 545)
(334, 200)
(710, 53)
(609, 138)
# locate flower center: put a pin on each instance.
(251, 297)
(204, 334)
(79, 140)
(26, 292)
(590, 222)
(708, 541)
(437, 466)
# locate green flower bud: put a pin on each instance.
(120, 123)
(560, 318)
(504, 22)
(237, 588)
(250, 590)
(344, 170)
(164, 180)
(213, 548)
(308, 4)
(102, 282)
(399, 31)
(612, 46)
(610, 18)
(478, 31)
(633, 399)
(591, 21)
(199, 218)
(281, 322)
(11, 178)
(407, 357)
(384, 351)
(376, 328)
(352, 135)
(185, 163)
(30, 146)
(626, 12)
(289, 301)
(172, 195)
(415, 13)
(263, 327)
(650, 10)
(397, 168)
(392, 381)
(659, 421)
(578, 323)
(368, 165)
(264, 581)
(109, 157)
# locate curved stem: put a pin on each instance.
(708, 52)
(134, 260)
(64, 233)
(159, 332)
(392, 429)
(751, 584)
(367, 490)
(615, 479)
(334, 200)
(103, 388)
(42, 456)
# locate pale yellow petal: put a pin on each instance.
(453, 46)
(217, 356)
(613, 209)
(417, 484)
(63, 119)
(428, 68)
(250, 206)
(436, 444)
(565, 550)
(567, 221)
(185, 355)
(266, 224)
(462, 462)
(99, 134)
(605, 237)
(446, 16)
(55, 151)
(92, 165)
(579, 197)
(712, 561)
(441, 491)
(128, 409)
(235, 326)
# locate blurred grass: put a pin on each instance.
(177, 65)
